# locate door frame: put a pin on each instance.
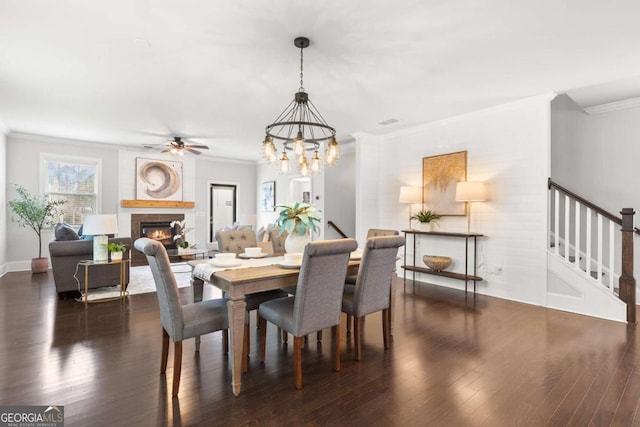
(236, 187)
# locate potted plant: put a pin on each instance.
(426, 217)
(298, 219)
(37, 213)
(180, 231)
(116, 250)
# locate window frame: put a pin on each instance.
(46, 158)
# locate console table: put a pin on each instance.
(459, 276)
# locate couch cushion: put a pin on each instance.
(65, 232)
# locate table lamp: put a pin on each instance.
(99, 226)
(410, 196)
(248, 219)
(469, 192)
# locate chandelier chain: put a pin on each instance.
(301, 70)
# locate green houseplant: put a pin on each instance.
(297, 219)
(426, 217)
(116, 250)
(37, 213)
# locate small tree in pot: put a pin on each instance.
(37, 213)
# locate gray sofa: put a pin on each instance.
(65, 256)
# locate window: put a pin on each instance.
(75, 180)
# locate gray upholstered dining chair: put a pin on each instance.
(371, 292)
(179, 321)
(351, 280)
(316, 304)
(236, 240)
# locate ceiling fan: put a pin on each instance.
(178, 146)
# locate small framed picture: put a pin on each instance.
(269, 196)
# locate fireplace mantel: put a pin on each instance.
(156, 204)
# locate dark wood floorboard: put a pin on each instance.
(455, 360)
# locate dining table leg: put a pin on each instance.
(235, 309)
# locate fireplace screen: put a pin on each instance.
(160, 231)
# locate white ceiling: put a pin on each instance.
(131, 72)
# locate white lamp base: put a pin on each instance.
(100, 251)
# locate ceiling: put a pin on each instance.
(135, 72)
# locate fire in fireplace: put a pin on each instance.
(160, 231)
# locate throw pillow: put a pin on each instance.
(65, 232)
(260, 234)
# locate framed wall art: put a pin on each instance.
(268, 200)
(158, 180)
(440, 174)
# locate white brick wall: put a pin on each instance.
(507, 147)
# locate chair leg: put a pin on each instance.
(225, 341)
(262, 323)
(357, 325)
(165, 351)
(177, 367)
(335, 338)
(198, 343)
(385, 327)
(319, 336)
(297, 360)
(285, 336)
(349, 324)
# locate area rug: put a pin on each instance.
(141, 281)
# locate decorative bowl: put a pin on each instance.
(436, 262)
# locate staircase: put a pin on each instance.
(590, 258)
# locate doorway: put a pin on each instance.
(222, 207)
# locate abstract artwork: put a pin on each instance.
(268, 200)
(158, 180)
(440, 174)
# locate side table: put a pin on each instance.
(87, 264)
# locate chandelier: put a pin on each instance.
(301, 128)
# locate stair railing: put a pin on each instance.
(337, 229)
(574, 241)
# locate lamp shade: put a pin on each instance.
(96, 225)
(248, 219)
(410, 194)
(471, 191)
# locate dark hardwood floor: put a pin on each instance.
(454, 361)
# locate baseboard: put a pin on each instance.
(14, 266)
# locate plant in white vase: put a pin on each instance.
(180, 231)
(426, 217)
(298, 219)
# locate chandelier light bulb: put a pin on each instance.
(304, 168)
(284, 163)
(269, 149)
(315, 162)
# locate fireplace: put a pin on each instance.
(154, 226)
(159, 231)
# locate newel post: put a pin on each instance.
(627, 281)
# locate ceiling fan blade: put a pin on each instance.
(191, 150)
(204, 147)
(166, 150)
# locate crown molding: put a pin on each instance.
(613, 106)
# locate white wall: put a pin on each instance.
(507, 147)
(239, 173)
(23, 168)
(340, 194)
(3, 200)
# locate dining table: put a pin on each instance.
(245, 276)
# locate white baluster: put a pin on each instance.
(556, 223)
(589, 233)
(599, 249)
(611, 253)
(577, 238)
(567, 227)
